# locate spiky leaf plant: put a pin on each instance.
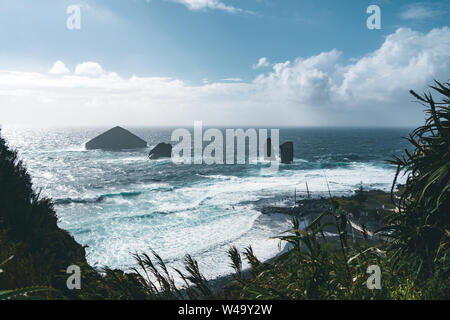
(420, 228)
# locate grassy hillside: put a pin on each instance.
(36, 249)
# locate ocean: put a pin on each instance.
(120, 203)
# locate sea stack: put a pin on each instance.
(269, 153)
(162, 150)
(116, 138)
(287, 152)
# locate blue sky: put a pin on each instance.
(166, 38)
(201, 42)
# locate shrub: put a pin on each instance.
(420, 229)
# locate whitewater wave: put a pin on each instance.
(121, 202)
(97, 199)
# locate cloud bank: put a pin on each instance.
(318, 90)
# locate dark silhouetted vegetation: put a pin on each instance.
(36, 249)
(420, 228)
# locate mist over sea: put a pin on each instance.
(119, 203)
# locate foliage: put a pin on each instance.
(159, 283)
(29, 231)
(420, 230)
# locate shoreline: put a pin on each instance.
(365, 220)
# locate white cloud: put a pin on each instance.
(232, 79)
(59, 68)
(420, 11)
(89, 69)
(209, 4)
(319, 90)
(406, 60)
(262, 62)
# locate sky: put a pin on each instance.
(223, 62)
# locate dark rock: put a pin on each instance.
(116, 138)
(162, 150)
(287, 152)
(269, 153)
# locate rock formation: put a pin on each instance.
(116, 138)
(287, 152)
(269, 153)
(162, 150)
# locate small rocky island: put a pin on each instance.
(287, 152)
(162, 150)
(116, 138)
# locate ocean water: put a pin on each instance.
(119, 203)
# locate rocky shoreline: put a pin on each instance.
(364, 209)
